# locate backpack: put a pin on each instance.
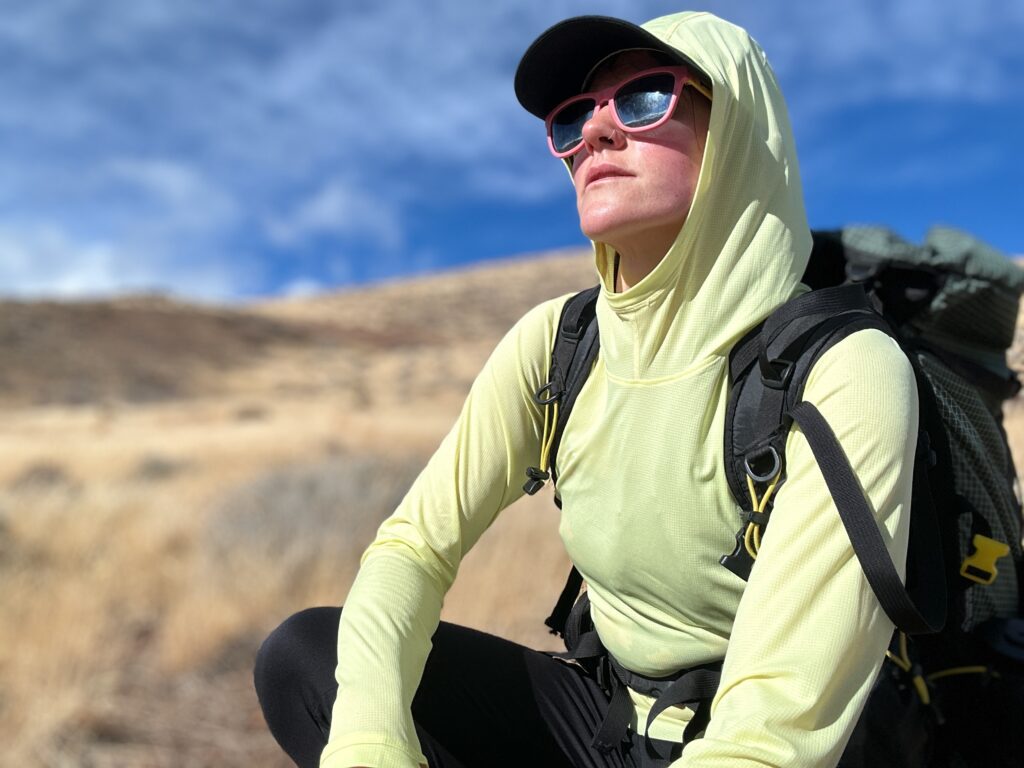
(954, 695)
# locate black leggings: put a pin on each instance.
(483, 701)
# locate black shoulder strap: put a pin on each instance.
(765, 401)
(581, 326)
(768, 369)
(576, 346)
(930, 614)
(572, 356)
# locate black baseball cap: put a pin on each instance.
(556, 64)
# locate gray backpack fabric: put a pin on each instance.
(954, 300)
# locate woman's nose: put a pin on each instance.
(601, 130)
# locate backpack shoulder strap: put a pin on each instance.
(768, 369)
(572, 356)
(765, 401)
(928, 615)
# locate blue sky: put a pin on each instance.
(226, 149)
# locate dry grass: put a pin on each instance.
(286, 537)
(126, 605)
(133, 604)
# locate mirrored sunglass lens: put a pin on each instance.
(567, 125)
(644, 100)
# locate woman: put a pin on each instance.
(695, 209)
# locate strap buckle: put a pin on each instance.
(537, 479)
(739, 560)
(980, 566)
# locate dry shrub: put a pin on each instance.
(42, 476)
(80, 589)
(130, 618)
(251, 412)
(292, 517)
(6, 552)
(155, 468)
(288, 538)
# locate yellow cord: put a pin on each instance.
(748, 541)
(903, 662)
(544, 437)
(548, 437)
(752, 535)
(920, 683)
(897, 661)
(976, 670)
(922, 690)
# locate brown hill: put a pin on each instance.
(150, 349)
(480, 302)
(137, 350)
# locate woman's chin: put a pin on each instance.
(603, 228)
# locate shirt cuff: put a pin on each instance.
(375, 753)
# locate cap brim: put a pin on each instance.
(556, 64)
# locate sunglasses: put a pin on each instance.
(641, 103)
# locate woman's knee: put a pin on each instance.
(297, 657)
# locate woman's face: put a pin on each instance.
(633, 190)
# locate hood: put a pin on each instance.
(745, 243)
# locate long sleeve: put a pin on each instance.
(809, 635)
(395, 602)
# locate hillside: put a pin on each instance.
(179, 478)
(153, 349)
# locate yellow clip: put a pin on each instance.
(981, 565)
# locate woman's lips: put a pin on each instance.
(605, 171)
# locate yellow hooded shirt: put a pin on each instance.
(646, 508)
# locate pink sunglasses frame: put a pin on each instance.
(682, 77)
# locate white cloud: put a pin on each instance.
(339, 209)
(303, 287)
(833, 56)
(44, 261)
(187, 200)
(904, 171)
(287, 88)
(129, 225)
(525, 180)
